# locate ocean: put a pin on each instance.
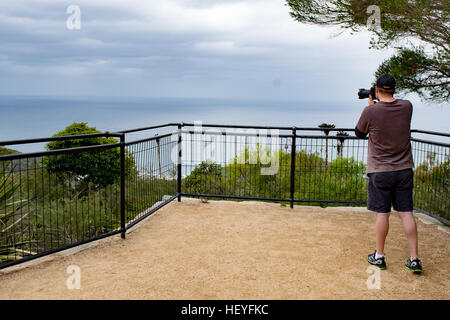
(25, 117)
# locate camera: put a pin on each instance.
(364, 93)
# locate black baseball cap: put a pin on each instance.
(386, 81)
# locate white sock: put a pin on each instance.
(378, 256)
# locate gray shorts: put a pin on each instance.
(386, 189)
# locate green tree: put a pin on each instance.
(422, 68)
(244, 173)
(205, 178)
(5, 151)
(101, 168)
(432, 185)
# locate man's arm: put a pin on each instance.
(362, 128)
(360, 134)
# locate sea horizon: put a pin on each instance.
(29, 116)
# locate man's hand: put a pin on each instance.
(371, 102)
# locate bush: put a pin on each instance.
(101, 168)
(431, 186)
(5, 151)
(206, 178)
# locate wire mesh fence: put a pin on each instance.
(153, 176)
(432, 178)
(54, 200)
(324, 169)
(261, 165)
(330, 169)
(234, 165)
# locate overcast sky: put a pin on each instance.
(178, 48)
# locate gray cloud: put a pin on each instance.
(195, 48)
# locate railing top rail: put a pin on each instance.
(242, 134)
(148, 128)
(157, 137)
(224, 126)
(49, 139)
(208, 125)
(443, 134)
(256, 134)
(16, 156)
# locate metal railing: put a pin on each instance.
(54, 200)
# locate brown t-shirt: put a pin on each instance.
(388, 125)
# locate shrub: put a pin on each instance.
(101, 168)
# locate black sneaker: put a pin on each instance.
(380, 263)
(414, 265)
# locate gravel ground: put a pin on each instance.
(242, 250)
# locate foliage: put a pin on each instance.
(101, 168)
(344, 179)
(5, 151)
(142, 192)
(43, 207)
(43, 211)
(205, 178)
(10, 214)
(432, 186)
(416, 72)
(425, 72)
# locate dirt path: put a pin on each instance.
(231, 250)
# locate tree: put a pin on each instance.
(205, 178)
(422, 68)
(326, 129)
(100, 167)
(5, 151)
(340, 147)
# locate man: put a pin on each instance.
(389, 167)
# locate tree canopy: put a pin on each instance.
(101, 167)
(5, 151)
(418, 29)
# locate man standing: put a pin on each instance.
(389, 167)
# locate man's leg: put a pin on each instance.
(403, 204)
(379, 201)
(381, 231)
(410, 228)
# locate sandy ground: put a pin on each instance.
(231, 250)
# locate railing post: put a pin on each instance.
(122, 185)
(293, 147)
(159, 157)
(179, 163)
